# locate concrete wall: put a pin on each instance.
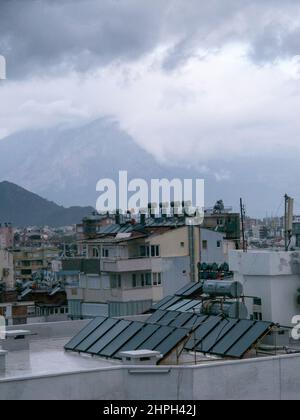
(272, 378)
(272, 276)
(213, 253)
(52, 329)
(175, 274)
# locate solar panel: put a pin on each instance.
(138, 339)
(178, 305)
(190, 305)
(232, 337)
(168, 317)
(202, 331)
(196, 309)
(171, 341)
(184, 289)
(181, 319)
(115, 345)
(87, 330)
(154, 318)
(96, 334)
(109, 337)
(197, 288)
(162, 302)
(247, 340)
(156, 338)
(216, 334)
(195, 321)
(171, 302)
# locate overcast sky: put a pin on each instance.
(188, 79)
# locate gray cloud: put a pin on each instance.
(43, 36)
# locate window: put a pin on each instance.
(105, 253)
(148, 279)
(218, 244)
(182, 244)
(134, 283)
(257, 316)
(95, 252)
(220, 222)
(115, 281)
(144, 251)
(142, 280)
(154, 250)
(204, 244)
(156, 279)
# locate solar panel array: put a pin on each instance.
(165, 330)
(107, 337)
(213, 334)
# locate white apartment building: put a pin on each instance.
(128, 268)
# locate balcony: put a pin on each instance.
(126, 265)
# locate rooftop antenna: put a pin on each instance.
(288, 220)
(242, 208)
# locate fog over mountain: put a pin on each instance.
(64, 165)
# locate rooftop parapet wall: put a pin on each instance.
(265, 263)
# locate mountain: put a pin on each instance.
(24, 208)
(64, 165)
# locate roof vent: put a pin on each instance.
(140, 357)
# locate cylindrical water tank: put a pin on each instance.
(231, 289)
(229, 309)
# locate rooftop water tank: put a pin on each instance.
(230, 289)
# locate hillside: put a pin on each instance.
(24, 208)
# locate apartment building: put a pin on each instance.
(127, 267)
(6, 269)
(6, 235)
(29, 260)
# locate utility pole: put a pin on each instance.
(242, 208)
(288, 220)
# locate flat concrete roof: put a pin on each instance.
(48, 357)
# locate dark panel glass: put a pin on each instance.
(98, 333)
(232, 337)
(154, 318)
(86, 331)
(121, 339)
(248, 339)
(109, 337)
(156, 338)
(216, 334)
(180, 320)
(136, 341)
(171, 341)
(202, 331)
(168, 317)
(178, 305)
(171, 302)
